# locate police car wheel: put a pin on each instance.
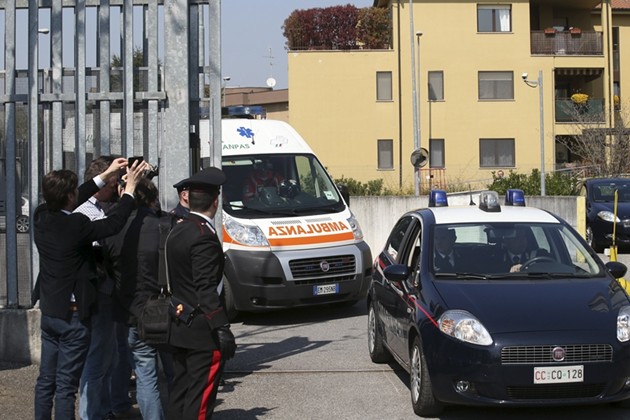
(378, 352)
(422, 398)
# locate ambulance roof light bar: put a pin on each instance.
(437, 198)
(489, 201)
(515, 197)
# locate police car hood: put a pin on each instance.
(536, 305)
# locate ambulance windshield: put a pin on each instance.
(287, 185)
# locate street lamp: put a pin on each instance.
(418, 95)
(225, 80)
(539, 84)
(414, 95)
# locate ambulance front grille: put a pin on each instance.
(323, 266)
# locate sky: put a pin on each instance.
(253, 47)
(250, 29)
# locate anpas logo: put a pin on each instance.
(310, 229)
(247, 133)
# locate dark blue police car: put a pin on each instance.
(498, 305)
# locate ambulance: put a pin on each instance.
(289, 236)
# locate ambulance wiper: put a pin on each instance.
(241, 207)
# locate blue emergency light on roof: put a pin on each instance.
(515, 197)
(437, 198)
(489, 201)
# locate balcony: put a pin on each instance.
(591, 112)
(566, 43)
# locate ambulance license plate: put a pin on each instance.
(326, 289)
(558, 374)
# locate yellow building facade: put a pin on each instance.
(476, 115)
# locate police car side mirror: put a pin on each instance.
(617, 269)
(397, 274)
(345, 193)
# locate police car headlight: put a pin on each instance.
(623, 324)
(465, 327)
(356, 228)
(250, 235)
(608, 216)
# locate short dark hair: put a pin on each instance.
(98, 166)
(146, 193)
(201, 200)
(56, 186)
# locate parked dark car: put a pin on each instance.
(600, 217)
(21, 220)
(475, 325)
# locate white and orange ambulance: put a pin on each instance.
(289, 236)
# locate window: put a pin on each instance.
(436, 86)
(494, 18)
(395, 241)
(383, 85)
(496, 85)
(436, 153)
(496, 153)
(385, 154)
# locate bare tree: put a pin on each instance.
(604, 151)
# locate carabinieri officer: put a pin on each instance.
(195, 259)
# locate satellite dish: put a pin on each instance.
(419, 157)
(271, 82)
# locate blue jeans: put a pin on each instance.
(65, 344)
(145, 358)
(94, 402)
(122, 364)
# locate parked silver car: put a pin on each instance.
(21, 221)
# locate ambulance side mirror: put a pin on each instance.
(343, 189)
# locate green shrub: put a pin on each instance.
(556, 183)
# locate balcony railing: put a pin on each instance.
(591, 112)
(566, 43)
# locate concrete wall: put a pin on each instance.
(20, 331)
(377, 215)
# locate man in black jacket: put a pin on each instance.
(132, 257)
(195, 259)
(66, 281)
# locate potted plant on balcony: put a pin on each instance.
(580, 100)
(575, 31)
(550, 31)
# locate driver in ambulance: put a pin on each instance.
(261, 177)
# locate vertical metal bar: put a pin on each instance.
(151, 29)
(56, 64)
(104, 75)
(175, 145)
(214, 52)
(79, 82)
(10, 162)
(193, 87)
(33, 128)
(542, 132)
(127, 137)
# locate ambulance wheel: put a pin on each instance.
(230, 308)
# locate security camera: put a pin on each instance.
(524, 76)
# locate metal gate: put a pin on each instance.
(98, 90)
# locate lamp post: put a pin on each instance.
(418, 95)
(539, 84)
(416, 125)
(224, 80)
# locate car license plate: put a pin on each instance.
(326, 289)
(558, 374)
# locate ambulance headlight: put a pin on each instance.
(356, 228)
(243, 234)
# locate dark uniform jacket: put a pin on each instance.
(67, 261)
(195, 267)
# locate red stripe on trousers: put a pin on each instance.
(212, 380)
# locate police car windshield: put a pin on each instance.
(279, 184)
(507, 250)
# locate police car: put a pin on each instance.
(498, 305)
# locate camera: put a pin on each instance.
(524, 76)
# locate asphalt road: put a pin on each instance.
(309, 364)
